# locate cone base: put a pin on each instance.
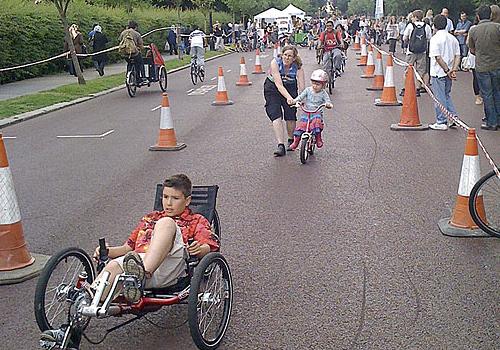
(367, 76)
(415, 128)
(261, 72)
(374, 88)
(379, 103)
(177, 147)
(361, 65)
(25, 273)
(243, 83)
(222, 103)
(449, 230)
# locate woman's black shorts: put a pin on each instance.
(276, 105)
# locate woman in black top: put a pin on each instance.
(99, 42)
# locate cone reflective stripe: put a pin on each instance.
(364, 55)
(221, 98)
(370, 65)
(13, 251)
(258, 65)
(243, 74)
(356, 46)
(461, 224)
(388, 97)
(378, 81)
(167, 140)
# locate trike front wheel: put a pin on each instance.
(210, 301)
(55, 284)
(304, 154)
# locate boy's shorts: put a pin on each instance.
(171, 269)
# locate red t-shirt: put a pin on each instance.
(192, 226)
(329, 40)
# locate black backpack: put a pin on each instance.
(418, 39)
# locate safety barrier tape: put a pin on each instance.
(453, 118)
(34, 63)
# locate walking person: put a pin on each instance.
(283, 84)
(461, 32)
(99, 42)
(392, 30)
(79, 45)
(444, 52)
(484, 42)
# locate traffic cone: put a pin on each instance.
(461, 224)
(166, 137)
(409, 119)
(356, 46)
(388, 97)
(378, 81)
(258, 66)
(16, 262)
(221, 98)
(243, 74)
(370, 65)
(364, 54)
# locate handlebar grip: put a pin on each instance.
(103, 250)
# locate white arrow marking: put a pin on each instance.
(86, 136)
(9, 137)
(156, 108)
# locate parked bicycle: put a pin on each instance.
(486, 194)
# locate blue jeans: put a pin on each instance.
(489, 85)
(441, 87)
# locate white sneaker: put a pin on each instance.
(437, 126)
(479, 100)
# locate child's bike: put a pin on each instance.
(308, 140)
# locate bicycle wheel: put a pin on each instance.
(210, 301)
(201, 74)
(312, 146)
(486, 194)
(131, 81)
(194, 73)
(304, 154)
(163, 80)
(54, 302)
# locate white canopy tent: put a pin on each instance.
(271, 15)
(294, 11)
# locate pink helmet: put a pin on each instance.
(319, 75)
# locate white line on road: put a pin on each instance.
(9, 137)
(190, 90)
(156, 108)
(86, 136)
(229, 70)
(213, 78)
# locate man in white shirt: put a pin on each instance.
(449, 23)
(417, 45)
(197, 38)
(444, 52)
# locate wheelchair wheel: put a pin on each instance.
(486, 192)
(194, 74)
(163, 79)
(210, 301)
(54, 287)
(131, 81)
(304, 154)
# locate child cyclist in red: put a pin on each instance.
(313, 97)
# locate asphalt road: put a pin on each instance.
(341, 253)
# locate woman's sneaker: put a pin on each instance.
(133, 265)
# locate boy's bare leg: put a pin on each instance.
(161, 244)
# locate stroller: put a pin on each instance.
(245, 41)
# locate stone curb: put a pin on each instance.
(41, 111)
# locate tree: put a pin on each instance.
(361, 7)
(206, 6)
(62, 9)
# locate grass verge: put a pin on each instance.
(70, 92)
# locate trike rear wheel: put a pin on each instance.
(59, 276)
(210, 301)
(131, 81)
(163, 78)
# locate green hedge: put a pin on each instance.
(34, 32)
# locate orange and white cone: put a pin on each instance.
(258, 65)
(356, 46)
(166, 137)
(370, 65)
(388, 97)
(243, 74)
(364, 54)
(378, 81)
(409, 119)
(461, 224)
(221, 98)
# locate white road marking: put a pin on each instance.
(9, 137)
(156, 108)
(86, 136)
(213, 78)
(190, 90)
(202, 90)
(264, 56)
(229, 70)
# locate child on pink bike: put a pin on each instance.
(313, 97)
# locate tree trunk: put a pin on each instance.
(74, 58)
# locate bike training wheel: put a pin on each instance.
(163, 80)
(194, 74)
(52, 308)
(304, 155)
(201, 74)
(131, 82)
(488, 187)
(210, 301)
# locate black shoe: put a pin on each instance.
(280, 152)
(288, 149)
(402, 93)
(488, 127)
(417, 93)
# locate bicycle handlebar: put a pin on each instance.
(301, 106)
